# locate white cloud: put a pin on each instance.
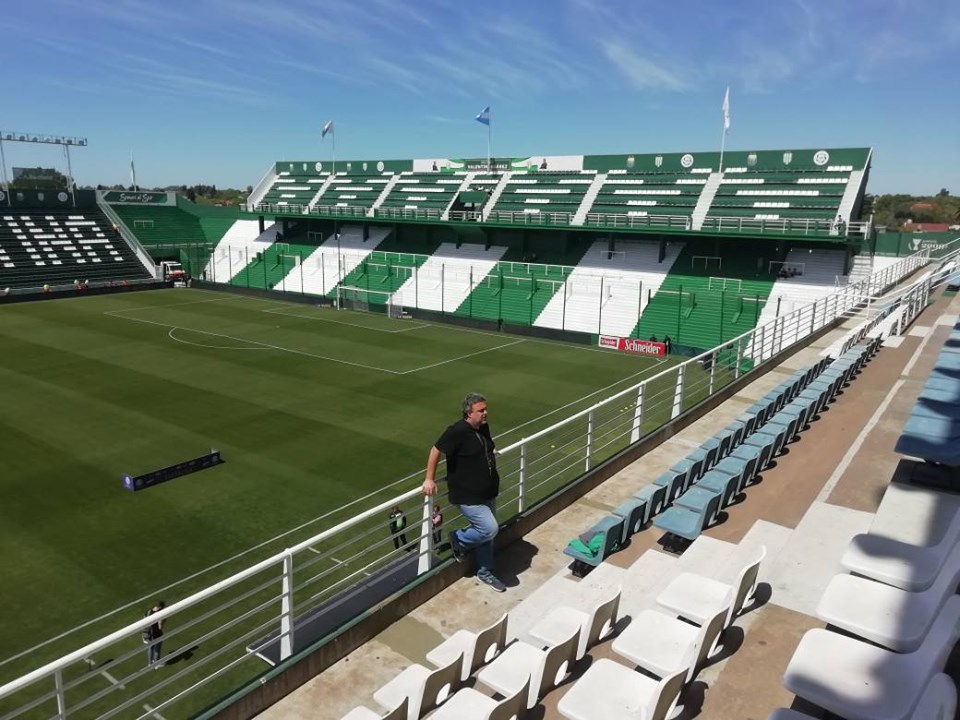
(642, 72)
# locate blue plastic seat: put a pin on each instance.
(655, 497)
(686, 523)
(744, 469)
(726, 483)
(703, 501)
(633, 511)
(612, 529)
(675, 480)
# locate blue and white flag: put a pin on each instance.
(328, 128)
(483, 116)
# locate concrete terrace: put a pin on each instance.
(822, 491)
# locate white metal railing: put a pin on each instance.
(733, 224)
(260, 611)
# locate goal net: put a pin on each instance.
(364, 300)
(706, 262)
(724, 283)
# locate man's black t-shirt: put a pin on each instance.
(472, 475)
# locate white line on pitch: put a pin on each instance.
(265, 345)
(110, 678)
(153, 712)
(349, 324)
(170, 305)
(461, 357)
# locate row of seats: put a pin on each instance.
(898, 612)
(932, 431)
(714, 475)
(688, 498)
(668, 651)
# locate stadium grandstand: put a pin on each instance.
(730, 488)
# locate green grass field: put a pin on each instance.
(311, 408)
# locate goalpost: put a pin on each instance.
(722, 283)
(364, 300)
(708, 261)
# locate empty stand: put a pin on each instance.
(606, 291)
(56, 247)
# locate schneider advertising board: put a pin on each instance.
(137, 198)
(640, 347)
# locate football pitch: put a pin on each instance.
(311, 408)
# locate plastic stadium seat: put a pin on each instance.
(592, 626)
(859, 681)
(885, 615)
(663, 645)
(611, 691)
(477, 648)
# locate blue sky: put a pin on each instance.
(214, 91)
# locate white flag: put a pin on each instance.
(726, 111)
(328, 128)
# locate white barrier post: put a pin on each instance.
(286, 608)
(586, 460)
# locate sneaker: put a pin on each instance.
(488, 578)
(459, 554)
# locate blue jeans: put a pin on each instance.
(480, 534)
(153, 652)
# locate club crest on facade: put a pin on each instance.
(752, 159)
(318, 167)
(658, 160)
(787, 158)
(631, 161)
(304, 167)
(349, 167)
(687, 160)
(380, 166)
(364, 167)
(821, 157)
(62, 197)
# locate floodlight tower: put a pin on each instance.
(66, 141)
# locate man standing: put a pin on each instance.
(398, 523)
(152, 636)
(473, 484)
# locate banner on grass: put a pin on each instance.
(640, 347)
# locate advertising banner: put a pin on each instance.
(630, 345)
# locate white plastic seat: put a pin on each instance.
(477, 648)
(365, 713)
(610, 691)
(863, 682)
(698, 598)
(938, 702)
(468, 704)
(521, 663)
(899, 549)
(592, 626)
(886, 615)
(663, 645)
(788, 714)
(423, 688)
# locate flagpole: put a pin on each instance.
(723, 142)
(725, 125)
(334, 151)
(489, 156)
